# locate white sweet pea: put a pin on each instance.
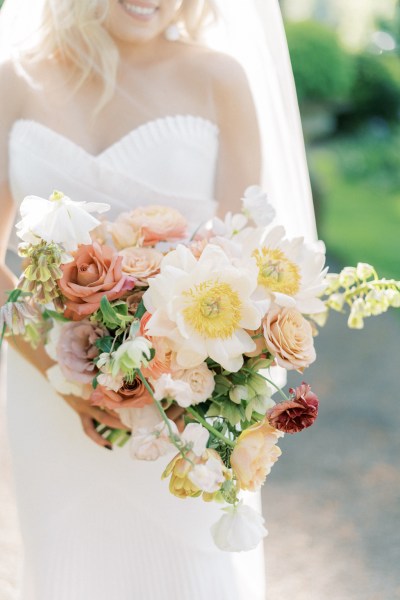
(165, 387)
(195, 437)
(240, 529)
(209, 476)
(106, 378)
(257, 206)
(59, 220)
(150, 445)
(132, 354)
(59, 382)
(232, 224)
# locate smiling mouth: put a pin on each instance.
(140, 10)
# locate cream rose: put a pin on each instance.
(158, 224)
(140, 263)
(288, 336)
(254, 454)
(201, 381)
(123, 233)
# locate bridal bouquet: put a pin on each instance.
(139, 318)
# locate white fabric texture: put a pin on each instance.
(97, 525)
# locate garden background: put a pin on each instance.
(332, 503)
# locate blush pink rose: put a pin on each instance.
(254, 454)
(296, 414)
(158, 224)
(76, 350)
(288, 336)
(95, 271)
(130, 395)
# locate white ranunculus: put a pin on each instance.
(201, 382)
(241, 528)
(59, 220)
(150, 445)
(209, 476)
(257, 206)
(58, 381)
(195, 436)
(165, 387)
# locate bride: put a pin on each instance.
(117, 101)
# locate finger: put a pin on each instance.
(106, 419)
(90, 430)
(175, 412)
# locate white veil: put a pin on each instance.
(252, 32)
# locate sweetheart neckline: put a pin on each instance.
(136, 130)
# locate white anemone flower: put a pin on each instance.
(204, 307)
(59, 220)
(241, 528)
(290, 272)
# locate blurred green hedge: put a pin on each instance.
(323, 70)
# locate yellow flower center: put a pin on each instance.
(276, 272)
(213, 309)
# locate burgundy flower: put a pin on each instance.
(296, 414)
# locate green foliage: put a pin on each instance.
(376, 91)
(323, 70)
(359, 180)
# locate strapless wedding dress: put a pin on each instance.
(97, 525)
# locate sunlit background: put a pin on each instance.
(332, 502)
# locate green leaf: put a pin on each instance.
(14, 295)
(104, 344)
(141, 309)
(95, 382)
(109, 314)
(53, 314)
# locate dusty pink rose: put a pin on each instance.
(164, 358)
(289, 338)
(130, 395)
(296, 414)
(158, 224)
(76, 350)
(95, 271)
(140, 263)
(254, 454)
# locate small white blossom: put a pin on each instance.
(257, 206)
(195, 437)
(165, 387)
(150, 445)
(240, 529)
(364, 271)
(209, 476)
(131, 355)
(59, 220)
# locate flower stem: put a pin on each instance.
(210, 428)
(172, 436)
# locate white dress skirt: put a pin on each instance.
(95, 524)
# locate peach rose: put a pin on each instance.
(164, 358)
(124, 234)
(140, 263)
(254, 454)
(130, 395)
(158, 224)
(289, 338)
(95, 271)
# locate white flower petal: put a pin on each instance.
(240, 529)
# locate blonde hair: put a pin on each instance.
(73, 31)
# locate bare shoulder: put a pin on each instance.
(13, 88)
